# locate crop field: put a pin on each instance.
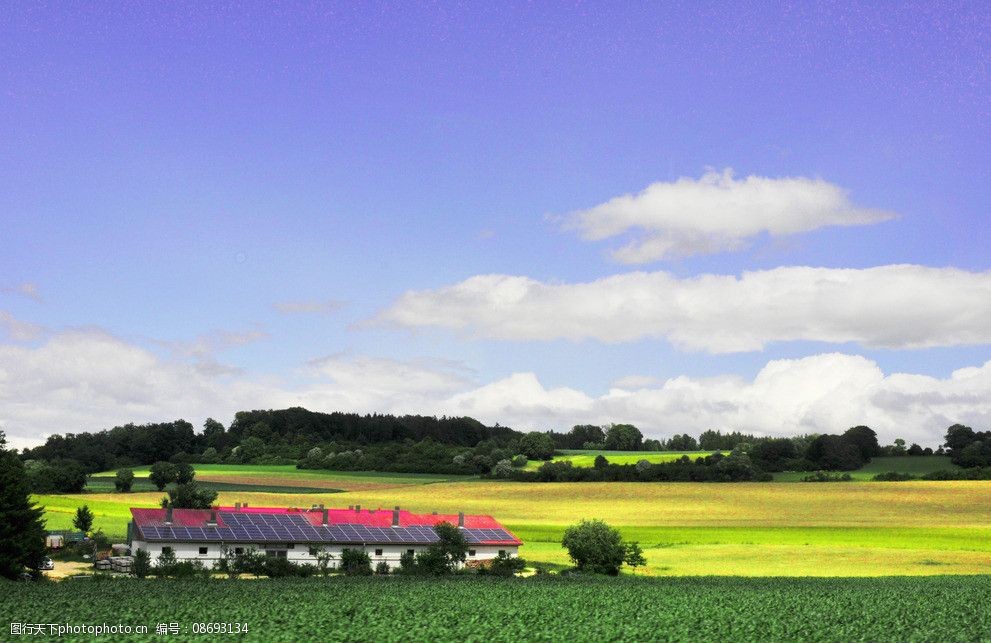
(751, 529)
(587, 458)
(485, 609)
(916, 466)
(287, 475)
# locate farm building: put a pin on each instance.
(299, 535)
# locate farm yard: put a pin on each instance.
(750, 529)
(541, 608)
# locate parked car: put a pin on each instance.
(47, 563)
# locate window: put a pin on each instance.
(314, 551)
(471, 552)
(378, 552)
(291, 546)
(203, 551)
(410, 552)
(275, 553)
(239, 550)
(167, 550)
(502, 552)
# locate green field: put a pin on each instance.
(916, 466)
(581, 458)
(554, 609)
(749, 529)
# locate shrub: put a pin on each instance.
(824, 476)
(407, 562)
(595, 546)
(506, 565)
(356, 562)
(382, 568)
(142, 563)
(502, 469)
(893, 476)
(519, 461)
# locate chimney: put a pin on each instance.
(213, 518)
(350, 507)
(324, 523)
(237, 506)
(435, 513)
(244, 505)
(168, 515)
(357, 508)
(395, 517)
(461, 519)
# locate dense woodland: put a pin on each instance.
(459, 445)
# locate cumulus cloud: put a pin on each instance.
(895, 306)
(716, 213)
(88, 380)
(821, 393)
(18, 329)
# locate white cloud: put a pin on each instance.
(87, 380)
(896, 306)
(324, 307)
(27, 289)
(17, 329)
(716, 213)
(822, 393)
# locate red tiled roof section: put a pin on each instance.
(366, 517)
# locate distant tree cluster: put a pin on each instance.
(967, 447)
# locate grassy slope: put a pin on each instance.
(751, 529)
(587, 458)
(914, 465)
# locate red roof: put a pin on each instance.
(364, 517)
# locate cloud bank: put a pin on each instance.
(716, 213)
(895, 306)
(88, 380)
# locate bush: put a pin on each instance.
(595, 546)
(519, 461)
(356, 562)
(893, 476)
(506, 565)
(824, 476)
(502, 469)
(382, 568)
(407, 563)
(141, 566)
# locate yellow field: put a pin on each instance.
(840, 529)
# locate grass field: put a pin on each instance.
(587, 458)
(754, 529)
(544, 608)
(287, 475)
(916, 466)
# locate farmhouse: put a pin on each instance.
(299, 535)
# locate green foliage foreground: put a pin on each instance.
(947, 608)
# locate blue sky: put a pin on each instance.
(170, 176)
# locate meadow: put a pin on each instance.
(584, 458)
(539, 608)
(751, 529)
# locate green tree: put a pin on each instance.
(624, 437)
(595, 546)
(600, 462)
(22, 530)
(124, 481)
(166, 563)
(356, 562)
(141, 566)
(582, 433)
(452, 544)
(407, 562)
(537, 446)
(184, 473)
(83, 521)
(161, 474)
(191, 496)
(866, 440)
(634, 556)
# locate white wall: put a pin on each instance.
(301, 552)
